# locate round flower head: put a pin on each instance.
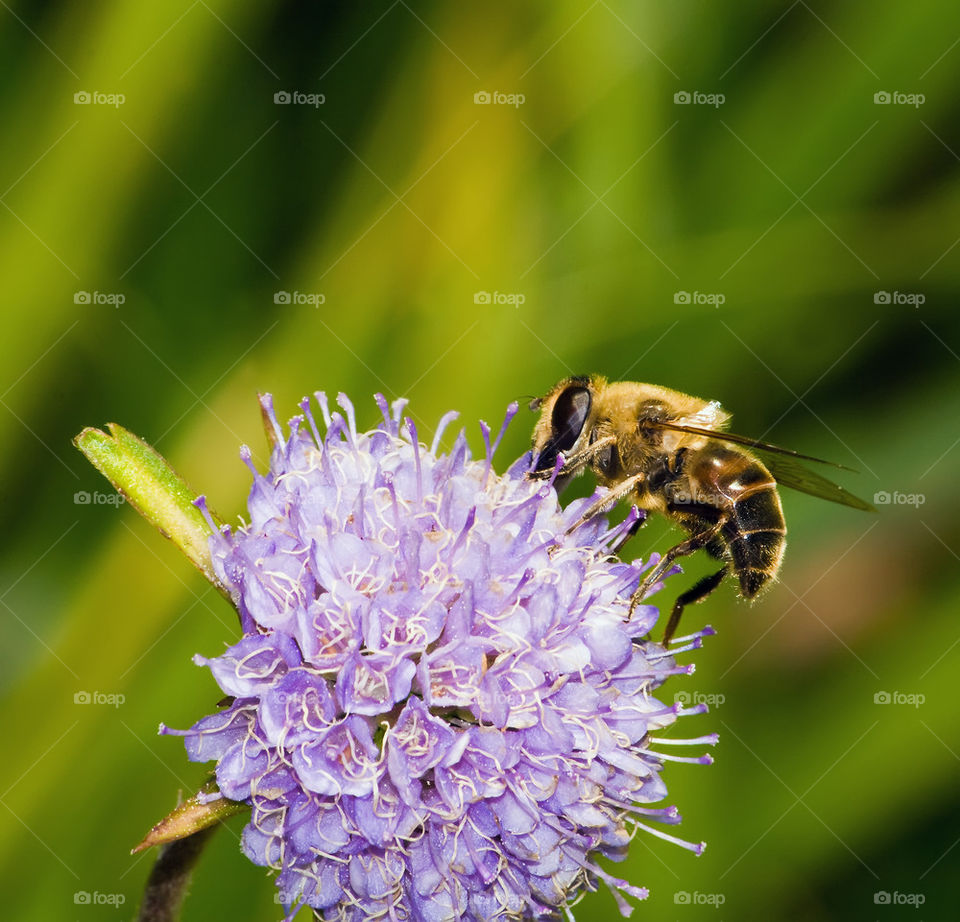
(439, 707)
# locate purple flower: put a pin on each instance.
(438, 708)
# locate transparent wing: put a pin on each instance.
(758, 446)
(791, 473)
(784, 464)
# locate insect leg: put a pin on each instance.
(697, 593)
(622, 489)
(577, 460)
(573, 463)
(683, 549)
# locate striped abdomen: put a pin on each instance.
(745, 493)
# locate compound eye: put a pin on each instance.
(570, 412)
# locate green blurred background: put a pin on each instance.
(822, 217)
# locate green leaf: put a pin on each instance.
(190, 817)
(154, 489)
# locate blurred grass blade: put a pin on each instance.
(154, 489)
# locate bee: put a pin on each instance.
(669, 454)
